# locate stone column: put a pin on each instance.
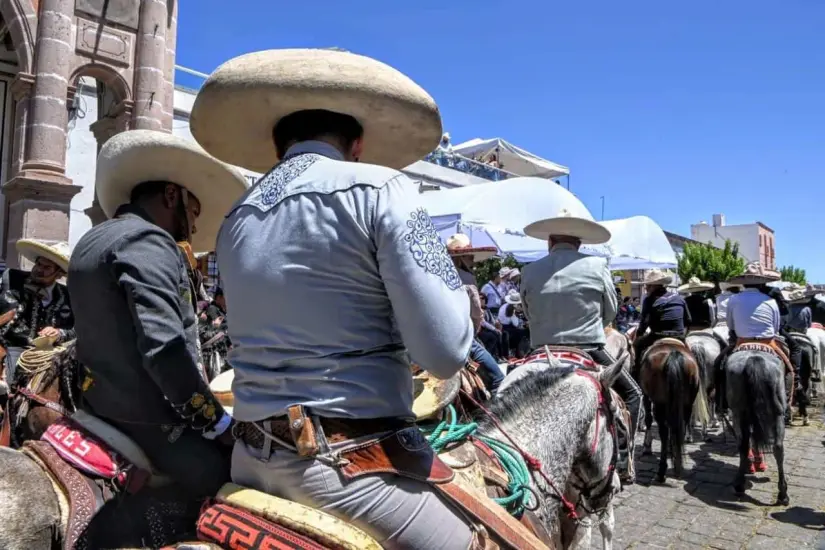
(150, 60)
(46, 149)
(103, 129)
(39, 193)
(21, 90)
(169, 67)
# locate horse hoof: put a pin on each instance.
(739, 489)
(660, 478)
(783, 500)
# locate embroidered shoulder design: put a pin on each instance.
(428, 250)
(272, 187)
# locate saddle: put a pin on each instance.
(567, 355)
(662, 342)
(771, 346)
(459, 473)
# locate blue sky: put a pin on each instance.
(675, 110)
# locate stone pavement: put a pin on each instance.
(702, 511)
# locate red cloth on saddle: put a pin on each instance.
(577, 358)
(236, 529)
(84, 452)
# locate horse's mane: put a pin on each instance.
(525, 391)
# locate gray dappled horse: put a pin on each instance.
(756, 397)
(706, 348)
(555, 414)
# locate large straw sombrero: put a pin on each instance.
(241, 102)
(657, 277)
(460, 245)
(513, 297)
(755, 274)
(54, 251)
(694, 285)
(137, 156)
(568, 225)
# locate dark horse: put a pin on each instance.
(756, 396)
(670, 380)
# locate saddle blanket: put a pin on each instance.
(84, 451)
(236, 529)
(577, 358)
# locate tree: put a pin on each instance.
(793, 274)
(708, 263)
(486, 270)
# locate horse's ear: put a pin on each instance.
(610, 374)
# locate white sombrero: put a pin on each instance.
(657, 277)
(728, 286)
(694, 285)
(460, 245)
(504, 272)
(514, 273)
(241, 102)
(513, 297)
(755, 274)
(137, 156)
(796, 296)
(57, 252)
(568, 225)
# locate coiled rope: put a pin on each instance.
(519, 489)
(35, 361)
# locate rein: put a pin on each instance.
(51, 405)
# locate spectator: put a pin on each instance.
(491, 334)
(512, 323)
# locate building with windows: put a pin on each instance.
(756, 240)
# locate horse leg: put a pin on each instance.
(744, 449)
(607, 527)
(664, 438)
(782, 498)
(647, 448)
(581, 538)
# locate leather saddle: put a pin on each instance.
(667, 342)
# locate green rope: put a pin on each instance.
(450, 431)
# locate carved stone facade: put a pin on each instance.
(128, 46)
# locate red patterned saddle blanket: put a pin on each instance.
(89, 472)
(567, 355)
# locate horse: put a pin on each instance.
(619, 343)
(756, 396)
(670, 379)
(809, 355)
(555, 415)
(817, 335)
(706, 348)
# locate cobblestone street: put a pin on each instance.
(702, 511)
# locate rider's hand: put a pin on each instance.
(49, 332)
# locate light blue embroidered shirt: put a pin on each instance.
(568, 297)
(333, 274)
(753, 314)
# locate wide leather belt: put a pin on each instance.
(335, 430)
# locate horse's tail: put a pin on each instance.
(765, 402)
(701, 405)
(675, 374)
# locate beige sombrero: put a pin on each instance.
(694, 285)
(724, 286)
(795, 296)
(131, 158)
(515, 273)
(513, 297)
(755, 274)
(241, 102)
(568, 225)
(657, 277)
(54, 251)
(460, 245)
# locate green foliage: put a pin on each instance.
(793, 274)
(486, 270)
(709, 263)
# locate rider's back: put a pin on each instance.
(330, 270)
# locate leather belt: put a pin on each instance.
(335, 430)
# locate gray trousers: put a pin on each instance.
(399, 513)
(12, 355)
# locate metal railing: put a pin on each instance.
(467, 165)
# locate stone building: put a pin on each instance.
(125, 48)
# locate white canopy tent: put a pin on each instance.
(495, 214)
(511, 158)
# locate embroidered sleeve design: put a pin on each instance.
(273, 185)
(199, 410)
(428, 250)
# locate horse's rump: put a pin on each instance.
(763, 396)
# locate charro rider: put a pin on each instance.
(335, 274)
(569, 299)
(701, 308)
(664, 312)
(43, 307)
(137, 331)
(464, 256)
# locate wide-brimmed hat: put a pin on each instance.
(694, 285)
(514, 273)
(239, 105)
(796, 296)
(728, 286)
(57, 252)
(460, 245)
(657, 277)
(566, 224)
(755, 274)
(504, 272)
(513, 297)
(137, 156)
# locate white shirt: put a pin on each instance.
(722, 306)
(511, 320)
(752, 314)
(493, 294)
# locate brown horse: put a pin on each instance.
(670, 380)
